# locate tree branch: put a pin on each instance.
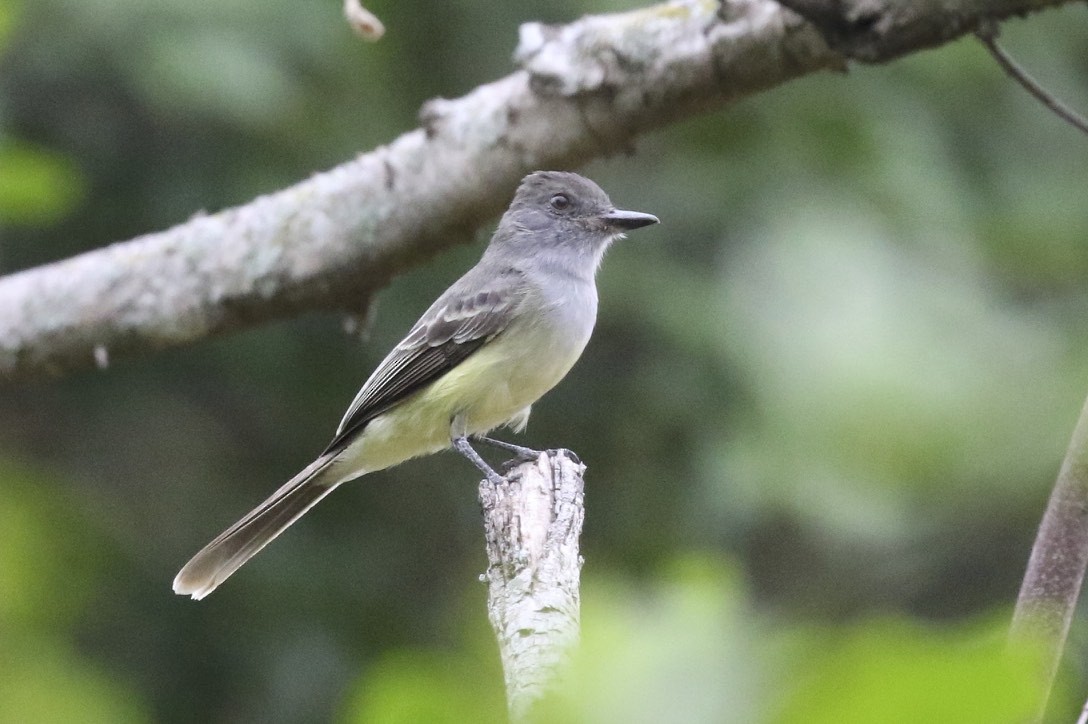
(584, 90)
(876, 31)
(532, 523)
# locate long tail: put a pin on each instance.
(237, 544)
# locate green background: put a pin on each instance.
(822, 410)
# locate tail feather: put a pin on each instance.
(223, 556)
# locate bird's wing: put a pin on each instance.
(463, 319)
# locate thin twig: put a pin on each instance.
(1055, 572)
(987, 35)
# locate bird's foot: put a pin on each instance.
(569, 453)
(461, 445)
(522, 454)
(534, 455)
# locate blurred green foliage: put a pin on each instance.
(9, 13)
(897, 672)
(687, 648)
(36, 186)
(50, 575)
(822, 409)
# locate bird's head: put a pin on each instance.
(562, 209)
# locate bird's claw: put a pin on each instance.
(569, 453)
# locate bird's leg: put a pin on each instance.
(460, 444)
(523, 454)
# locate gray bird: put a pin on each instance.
(504, 334)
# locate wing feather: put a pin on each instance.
(460, 322)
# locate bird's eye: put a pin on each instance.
(559, 202)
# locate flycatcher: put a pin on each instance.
(498, 339)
